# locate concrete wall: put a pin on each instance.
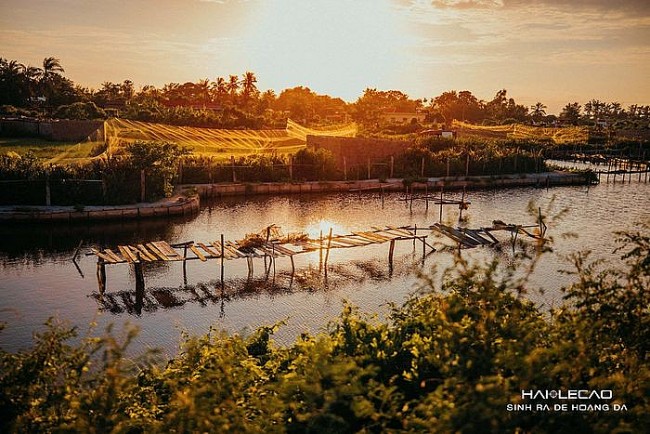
(357, 151)
(542, 180)
(165, 208)
(58, 130)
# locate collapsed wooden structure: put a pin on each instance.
(267, 245)
(470, 238)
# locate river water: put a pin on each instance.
(38, 279)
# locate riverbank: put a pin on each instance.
(185, 204)
(172, 206)
(545, 179)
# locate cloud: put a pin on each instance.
(631, 6)
(467, 4)
(577, 6)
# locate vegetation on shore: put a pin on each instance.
(451, 359)
(236, 102)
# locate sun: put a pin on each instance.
(337, 47)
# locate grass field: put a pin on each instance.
(45, 149)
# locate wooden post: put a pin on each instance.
(143, 183)
(139, 285)
(392, 166)
(222, 255)
(415, 233)
(441, 192)
(249, 261)
(273, 259)
(320, 252)
(180, 171)
(139, 275)
(467, 165)
(345, 169)
(368, 168)
(391, 251)
(185, 264)
(424, 249)
(327, 253)
(48, 194)
(291, 168)
(101, 276)
(422, 168)
(232, 165)
(293, 266)
(426, 196)
(447, 167)
(461, 206)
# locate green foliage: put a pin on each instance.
(449, 360)
(314, 165)
(443, 155)
(158, 160)
(80, 111)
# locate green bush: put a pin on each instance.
(449, 360)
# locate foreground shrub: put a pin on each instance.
(451, 359)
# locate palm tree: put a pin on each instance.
(52, 65)
(202, 91)
(248, 87)
(538, 111)
(233, 86)
(248, 84)
(633, 110)
(219, 89)
(52, 70)
(14, 89)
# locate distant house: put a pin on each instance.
(449, 134)
(402, 118)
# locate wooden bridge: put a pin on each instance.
(267, 244)
(470, 238)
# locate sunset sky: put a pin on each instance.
(551, 51)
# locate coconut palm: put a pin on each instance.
(51, 66)
(219, 89)
(233, 86)
(538, 111)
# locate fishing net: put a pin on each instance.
(520, 131)
(116, 134)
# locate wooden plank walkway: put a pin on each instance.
(158, 251)
(470, 238)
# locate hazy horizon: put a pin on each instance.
(539, 50)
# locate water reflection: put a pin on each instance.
(216, 292)
(38, 279)
(34, 242)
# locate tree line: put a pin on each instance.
(236, 102)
